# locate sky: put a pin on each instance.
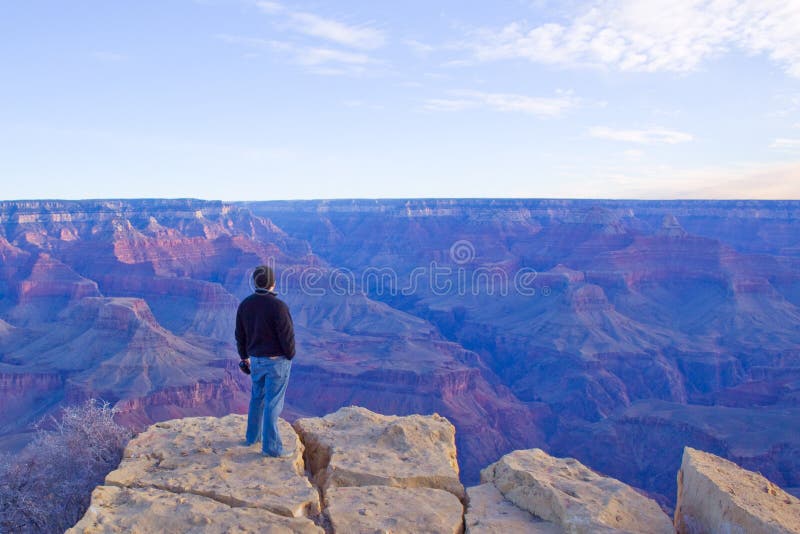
(260, 100)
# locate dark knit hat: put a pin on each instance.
(263, 277)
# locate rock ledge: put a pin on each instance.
(358, 471)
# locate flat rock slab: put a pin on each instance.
(716, 495)
(357, 447)
(145, 510)
(489, 512)
(386, 509)
(573, 496)
(206, 456)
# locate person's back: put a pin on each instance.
(264, 326)
(265, 342)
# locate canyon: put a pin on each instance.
(613, 332)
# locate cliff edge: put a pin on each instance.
(358, 471)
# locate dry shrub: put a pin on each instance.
(47, 487)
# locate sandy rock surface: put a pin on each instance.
(196, 475)
(390, 474)
(390, 509)
(574, 497)
(206, 456)
(147, 510)
(716, 495)
(489, 512)
(357, 447)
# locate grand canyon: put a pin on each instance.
(614, 332)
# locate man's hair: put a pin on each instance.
(263, 277)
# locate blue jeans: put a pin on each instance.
(270, 377)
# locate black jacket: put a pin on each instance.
(264, 327)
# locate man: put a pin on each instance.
(265, 342)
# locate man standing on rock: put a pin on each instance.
(265, 342)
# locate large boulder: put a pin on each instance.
(117, 509)
(357, 447)
(202, 462)
(384, 473)
(716, 495)
(575, 498)
(205, 455)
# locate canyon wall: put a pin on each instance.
(579, 327)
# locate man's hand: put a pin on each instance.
(244, 365)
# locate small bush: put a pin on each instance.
(47, 487)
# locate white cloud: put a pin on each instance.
(449, 104)
(322, 55)
(361, 36)
(656, 35)
(505, 102)
(787, 104)
(354, 36)
(419, 47)
(316, 56)
(783, 143)
(251, 42)
(633, 154)
(270, 7)
(648, 136)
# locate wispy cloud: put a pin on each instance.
(633, 154)
(353, 36)
(317, 56)
(320, 60)
(644, 137)
(787, 104)
(362, 36)
(504, 102)
(252, 42)
(335, 48)
(657, 35)
(270, 7)
(449, 104)
(783, 143)
(419, 47)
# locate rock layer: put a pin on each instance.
(573, 496)
(205, 456)
(716, 495)
(389, 474)
(116, 509)
(391, 509)
(491, 513)
(357, 447)
(382, 473)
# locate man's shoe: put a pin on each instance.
(284, 454)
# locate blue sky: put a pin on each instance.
(248, 99)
